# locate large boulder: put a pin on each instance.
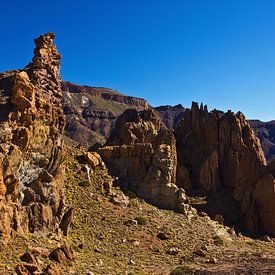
(31, 128)
(225, 162)
(143, 157)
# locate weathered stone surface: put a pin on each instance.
(63, 254)
(52, 270)
(265, 202)
(143, 157)
(225, 162)
(66, 221)
(31, 128)
(93, 159)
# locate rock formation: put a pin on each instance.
(225, 161)
(31, 127)
(143, 157)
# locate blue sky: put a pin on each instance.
(219, 52)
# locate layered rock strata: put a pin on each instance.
(223, 159)
(31, 128)
(143, 157)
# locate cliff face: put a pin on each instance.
(91, 112)
(143, 157)
(265, 131)
(225, 161)
(31, 127)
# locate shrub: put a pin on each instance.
(141, 220)
(84, 183)
(181, 270)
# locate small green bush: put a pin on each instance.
(181, 270)
(84, 183)
(141, 220)
(218, 241)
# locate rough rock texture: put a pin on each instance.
(31, 127)
(265, 131)
(91, 112)
(144, 158)
(226, 162)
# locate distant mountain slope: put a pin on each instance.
(171, 115)
(266, 133)
(91, 111)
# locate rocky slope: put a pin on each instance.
(91, 112)
(135, 238)
(215, 157)
(171, 115)
(31, 126)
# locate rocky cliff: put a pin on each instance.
(31, 127)
(91, 112)
(265, 131)
(222, 158)
(143, 157)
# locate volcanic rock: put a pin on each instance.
(31, 128)
(226, 162)
(143, 157)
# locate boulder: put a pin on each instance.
(63, 255)
(93, 159)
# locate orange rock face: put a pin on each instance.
(31, 127)
(225, 161)
(143, 157)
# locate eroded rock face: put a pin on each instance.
(144, 158)
(31, 128)
(226, 162)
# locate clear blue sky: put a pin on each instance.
(220, 52)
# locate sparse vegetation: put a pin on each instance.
(141, 220)
(104, 245)
(218, 241)
(182, 270)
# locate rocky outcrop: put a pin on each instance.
(31, 127)
(143, 157)
(225, 161)
(91, 112)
